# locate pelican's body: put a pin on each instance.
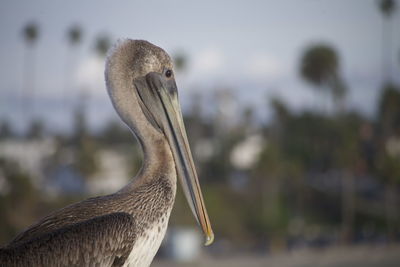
(125, 228)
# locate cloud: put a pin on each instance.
(90, 75)
(208, 62)
(245, 154)
(263, 66)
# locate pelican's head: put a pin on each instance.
(141, 84)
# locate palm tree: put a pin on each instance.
(180, 61)
(102, 44)
(387, 8)
(30, 33)
(388, 162)
(74, 35)
(388, 114)
(320, 67)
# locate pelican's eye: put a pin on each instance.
(168, 73)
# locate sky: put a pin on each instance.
(252, 48)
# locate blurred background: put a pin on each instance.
(292, 109)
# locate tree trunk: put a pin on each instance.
(348, 205)
(390, 210)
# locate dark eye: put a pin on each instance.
(168, 73)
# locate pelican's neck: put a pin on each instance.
(158, 162)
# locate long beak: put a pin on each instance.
(159, 100)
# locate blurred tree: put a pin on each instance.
(30, 34)
(86, 161)
(228, 222)
(319, 63)
(84, 144)
(389, 159)
(6, 130)
(293, 168)
(281, 116)
(180, 61)
(115, 132)
(117, 136)
(281, 111)
(389, 171)
(74, 36)
(387, 8)
(19, 200)
(270, 210)
(311, 148)
(346, 155)
(195, 127)
(102, 44)
(80, 124)
(389, 116)
(35, 130)
(320, 66)
(389, 110)
(247, 120)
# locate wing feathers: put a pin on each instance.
(88, 243)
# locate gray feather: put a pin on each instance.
(109, 237)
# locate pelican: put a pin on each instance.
(125, 228)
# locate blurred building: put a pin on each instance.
(183, 244)
(54, 170)
(29, 155)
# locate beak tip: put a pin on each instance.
(210, 239)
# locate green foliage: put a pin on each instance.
(18, 200)
(102, 44)
(389, 110)
(6, 130)
(36, 129)
(389, 168)
(116, 132)
(387, 7)
(86, 160)
(180, 61)
(226, 206)
(80, 123)
(84, 145)
(319, 64)
(31, 32)
(75, 34)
